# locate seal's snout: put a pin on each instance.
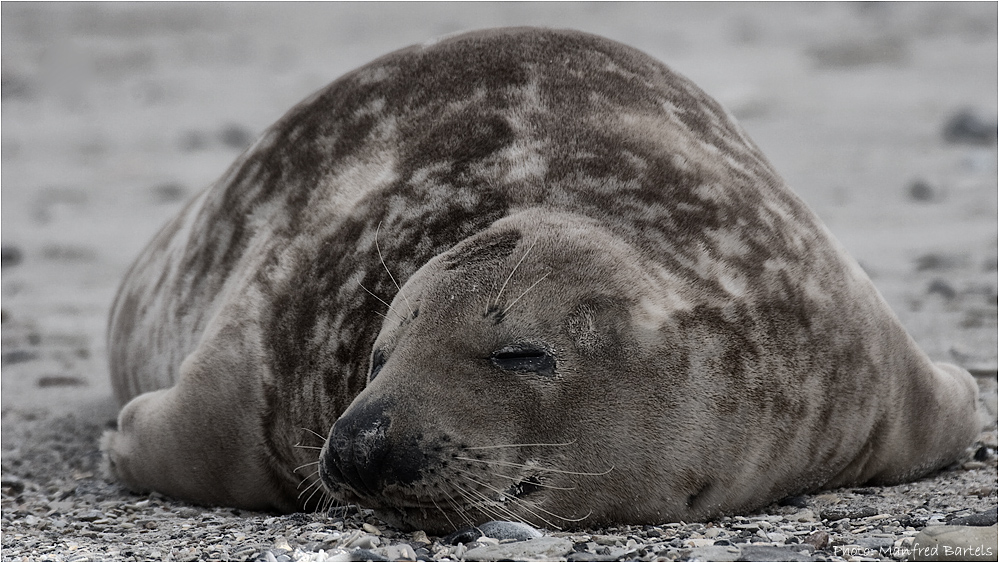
(362, 453)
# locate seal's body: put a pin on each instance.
(612, 309)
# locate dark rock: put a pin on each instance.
(768, 553)
(17, 357)
(169, 193)
(59, 381)
(15, 486)
(921, 190)
(967, 127)
(193, 141)
(817, 539)
(587, 556)
(943, 288)
(796, 501)
(936, 262)
(983, 453)
(838, 513)
(987, 518)
(365, 555)
(235, 137)
(464, 535)
(10, 256)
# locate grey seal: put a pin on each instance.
(516, 274)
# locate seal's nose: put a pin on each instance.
(361, 455)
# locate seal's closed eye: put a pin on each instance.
(524, 357)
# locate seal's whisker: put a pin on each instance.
(537, 467)
(317, 489)
(443, 513)
(517, 480)
(497, 509)
(534, 445)
(502, 287)
(304, 465)
(305, 480)
(514, 302)
(314, 433)
(489, 508)
(517, 501)
(402, 318)
(391, 277)
(532, 506)
(308, 447)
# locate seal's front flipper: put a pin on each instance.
(201, 439)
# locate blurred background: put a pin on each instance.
(882, 116)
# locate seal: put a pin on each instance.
(517, 274)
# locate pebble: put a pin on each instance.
(515, 531)
(987, 518)
(966, 126)
(956, 543)
(715, 553)
(839, 513)
(538, 549)
(768, 553)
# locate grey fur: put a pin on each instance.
(713, 348)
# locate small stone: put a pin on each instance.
(806, 515)
(698, 542)
(768, 553)
(921, 190)
(796, 501)
(364, 542)
(875, 543)
(967, 127)
(941, 288)
(169, 192)
(366, 555)
(10, 256)
(987, 518)
(839, 513)
(609, 539)
(972, 465)
(817, 539)
(585, 556)
(538, 549)
(235, 136)
(371, 529)
(17, 356)
(464, 535)
(956, 543)
(400, 552)
(509, 531)
(714, 553)
(420, 536)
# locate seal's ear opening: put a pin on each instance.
(479, 250)
(595, 324)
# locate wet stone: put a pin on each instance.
(538, 549)
(987, 518)
(509, 531)
(839, 513)
(768, 553)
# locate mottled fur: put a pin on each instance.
(714, 348)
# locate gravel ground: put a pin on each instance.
(881, 116)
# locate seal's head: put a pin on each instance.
(494, 384)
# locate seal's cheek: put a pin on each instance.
(364, 454)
